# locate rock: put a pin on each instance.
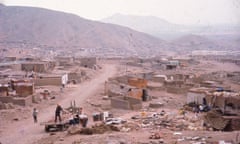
(52, 133)
(154, 142)
(155, 135)
(116, 141)
(116, 128)
(156, 105)
(196, 138)
(161, 141)
(74, 130)
(87, 131)
(122, 142)
(16, 119)
(105, 97)
(77, 142)
(135, 117)
(53, 97)
(177, 133)
(124, 129)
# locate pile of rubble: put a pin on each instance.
(95, 129)
(175, 122)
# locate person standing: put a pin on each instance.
(35, 113)
(58, 113)
(83, 120)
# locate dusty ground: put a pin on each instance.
(24, 131)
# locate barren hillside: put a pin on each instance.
(57, 29)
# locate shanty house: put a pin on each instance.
(57, 80)
(89, 62)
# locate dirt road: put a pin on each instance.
(26, 132)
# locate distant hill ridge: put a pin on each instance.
(53, 28)
(166, 30)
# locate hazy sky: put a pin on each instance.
(205, 12)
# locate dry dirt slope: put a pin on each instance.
(53, 28)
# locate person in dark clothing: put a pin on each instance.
(58, 113)
(204, 101)
(35, 113)
(74, 120)
(77, 119)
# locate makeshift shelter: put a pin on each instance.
(228, 102)
(196, 95)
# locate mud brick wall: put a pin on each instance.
(74, 76)
(132, 100)
(3, 91)
(18, 101)
(23, 101)
(57, 81)
(178, 83)
(156, 88)
(118, 102)
(159, 79)
(235, 124)
(121, 79)
(113, 94)
(16, 66)
(24, 90)
(177, 90)
(136, 106)
(10, 58)
(136, 93)
(6, 99)
(36, 67)
(136, 82)
(88, 62)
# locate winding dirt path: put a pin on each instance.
(27, 132)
